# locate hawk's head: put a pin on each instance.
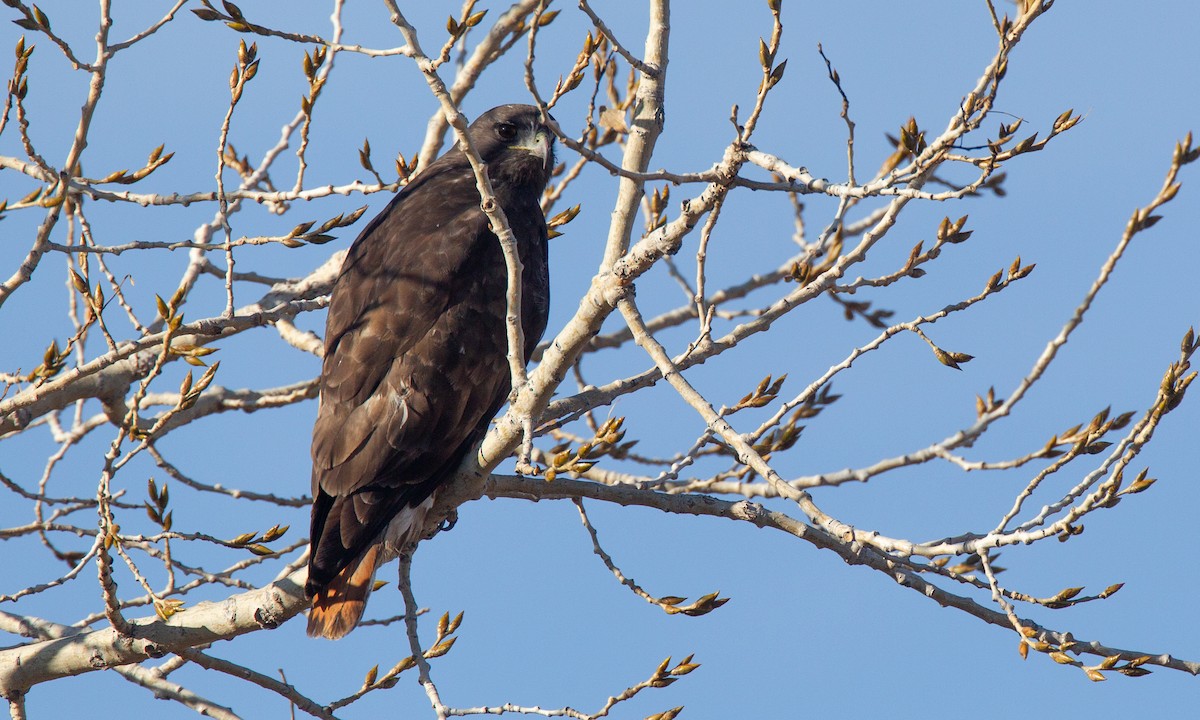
(517, 147)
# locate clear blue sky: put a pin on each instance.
(804, 634)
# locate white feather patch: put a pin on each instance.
(407, 527)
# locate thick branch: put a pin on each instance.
(24, 666)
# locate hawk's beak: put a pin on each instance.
(539, 145)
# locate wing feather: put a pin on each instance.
(415, 364)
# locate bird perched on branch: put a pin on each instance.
(415, 354)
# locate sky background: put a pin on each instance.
(804, 634)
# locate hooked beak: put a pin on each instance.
(539, 145)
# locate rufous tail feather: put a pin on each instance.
(338, 607)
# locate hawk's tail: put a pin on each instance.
(337, 607)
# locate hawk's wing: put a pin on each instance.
(414, 365)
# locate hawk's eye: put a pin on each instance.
(506, 131)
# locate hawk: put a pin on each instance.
(416, 347)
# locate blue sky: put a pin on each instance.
(804, 634)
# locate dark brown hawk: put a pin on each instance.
(415, 354)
